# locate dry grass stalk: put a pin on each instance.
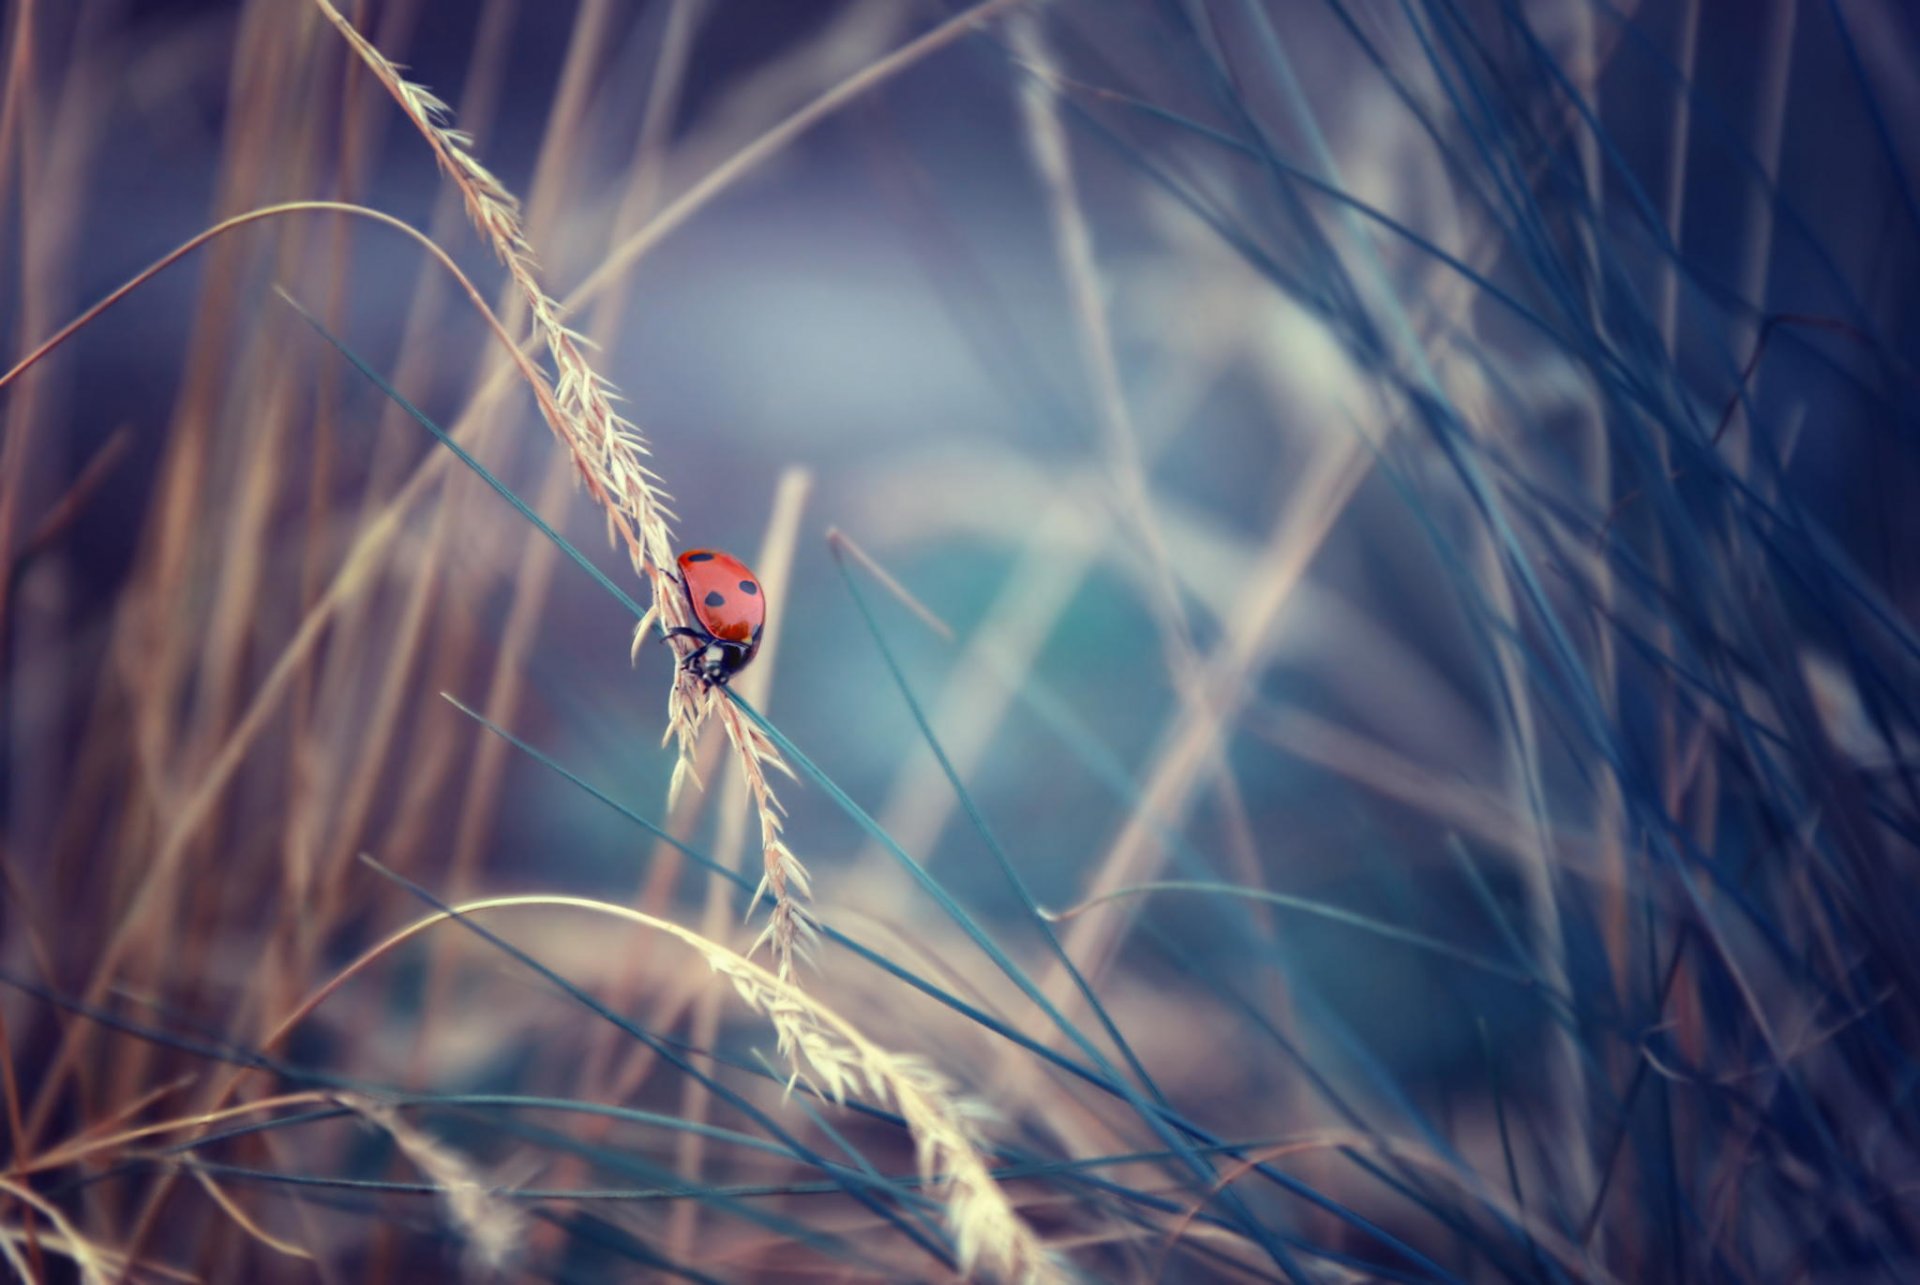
(609, 454)
(96, 1144)
(831, 1055)
(789, 928)
(147, 899)
(821, 1047)
(608, 451)
(242, 1219)
(89, 1260)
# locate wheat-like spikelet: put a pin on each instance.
(830, 1054)
(789, 928)
(820, 1046)
(609, 453)
(493, 1229)
(834, 1056)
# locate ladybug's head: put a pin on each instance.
(718, 660)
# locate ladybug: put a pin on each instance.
(728, 611)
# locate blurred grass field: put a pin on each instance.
(1343, 613)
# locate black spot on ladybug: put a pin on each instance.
(749, 587)
(715, 598)
(699, 557)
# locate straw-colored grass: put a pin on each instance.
(826, 1051)
(609, 454)
(1383, 745)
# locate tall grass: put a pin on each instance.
(1341, 628)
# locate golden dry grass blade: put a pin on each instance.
(160, 875)
(835, 1057)
(88, 1259)
(607, 450)
(844, 543)
(95, 1143)
(242, 1219)
(220, 229)
(608, 453)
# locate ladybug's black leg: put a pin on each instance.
(681, 631)
(697, 661)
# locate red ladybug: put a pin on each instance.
(728, 611)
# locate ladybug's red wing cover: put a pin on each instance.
(725, 596)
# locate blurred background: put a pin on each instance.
(1398, 517)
